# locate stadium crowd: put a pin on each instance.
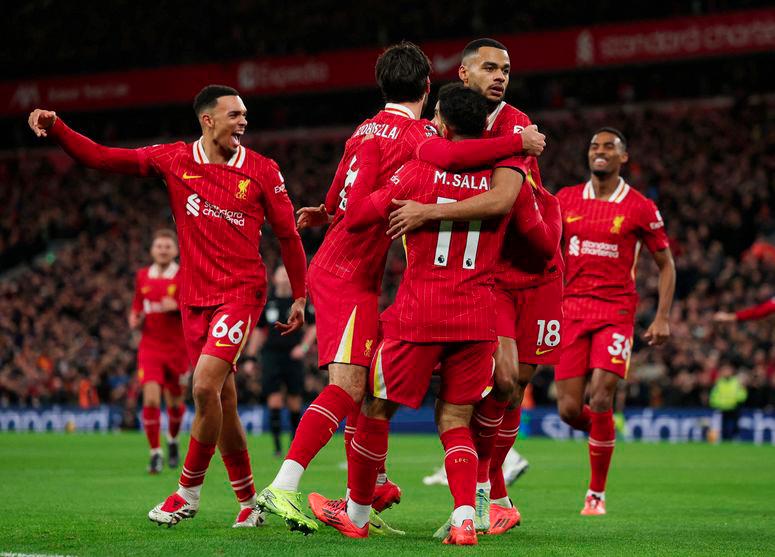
(709, 166)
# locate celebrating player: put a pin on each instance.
(606, 221)
(220, 193)
(760, 311)
(528, 283)
(345, 278)
(162, 363)
(442, 315)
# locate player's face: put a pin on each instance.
(438, 121)
(606, 154)
(487, 73)
(227, 121)
(163, 251)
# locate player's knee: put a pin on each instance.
(569, 411)
(206, 397)
(601, 402)
(505, 386)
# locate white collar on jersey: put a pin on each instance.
(621, 191)
(201, 157)
(401, 110)
(154, 271)
(494, 115)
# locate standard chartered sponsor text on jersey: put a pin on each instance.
(601, 249)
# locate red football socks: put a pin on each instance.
(584, 420)
(485, 423)
(319, 423)
(151, 425)
(368, 450)
(349, 428)
(460, 462)
(602, 438)
(196, 463)
(240, 474)
(507, 434)
(175, 418)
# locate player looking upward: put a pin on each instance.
(345, 280)
(162, 363)
(606, 222)
(442, 315)
(220, 194)
(528, 282)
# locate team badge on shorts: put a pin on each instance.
(367, 348)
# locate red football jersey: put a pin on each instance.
(519, 268)
(446, 293)
(162, 330)
(602, 240)
(342, 253)
(219, 210)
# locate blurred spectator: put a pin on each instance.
(726, 396)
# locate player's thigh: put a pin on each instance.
(505, 313)
(152, 394)
(539, 323)
(574, 358)
(611, 348)
(401, 371)
(467, 372)
(570, 396)
(350, 377)
(346, 319)
(209, 377)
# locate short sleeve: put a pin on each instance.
(653, 227)
(520, 163)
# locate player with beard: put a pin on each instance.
(606, 222)
(345, 280)
(220, 194)
(528, 283)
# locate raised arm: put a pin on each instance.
(475, 153)
(748, 314)
(45, 123)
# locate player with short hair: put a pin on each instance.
(220, 194)
(605, 223)
(528, 282)
(442, 315)
(345, 279)
(162, 363)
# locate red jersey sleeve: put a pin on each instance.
(376, 206)
(281, 217)
(332, 197)
(520, 163)
(653, 228)
(137, 301)
(93, 155)
(756, 312)
(468, 153)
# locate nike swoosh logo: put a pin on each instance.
(617, 361)
(187, 176)
(573, 219)
(219, 344)
(540, 352)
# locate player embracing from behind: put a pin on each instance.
(162, 363)
(443, 314)
(605, 223)
(220, 194)
(345, 276)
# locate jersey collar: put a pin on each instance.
(618, 195)
(401, 110)
(494, 115)
(201, 157)
(154, 271)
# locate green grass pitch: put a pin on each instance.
(89, 495)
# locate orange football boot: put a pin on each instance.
(593, 506)
(465, 534)
(333, 512)
(503, 519)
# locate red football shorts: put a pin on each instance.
(346, 318)
(401, 371)
(168, 369)
(533, 317)
(594, 344)
(219, 331)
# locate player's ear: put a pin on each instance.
(624, 157)
(206, 120)
(462, 73)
